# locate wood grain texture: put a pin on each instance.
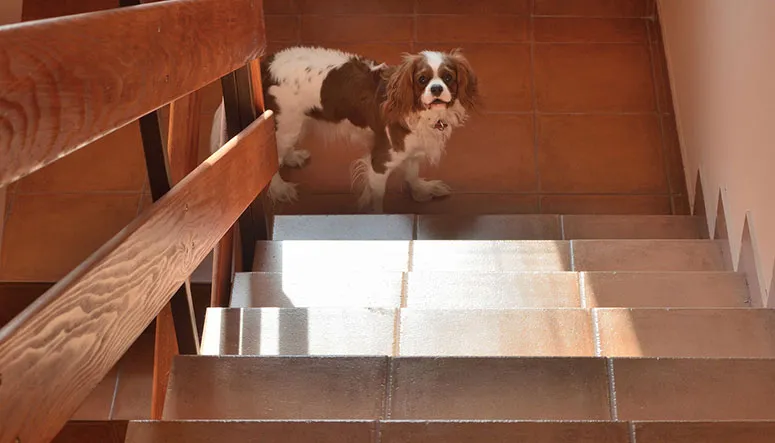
(59, 348)
(67, 81)
(183, 136)
(165, 348)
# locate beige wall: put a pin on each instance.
(721, 56)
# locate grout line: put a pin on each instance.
(396, 332)
(581, 280)
(596, 332)
(403, 300)
(453, 14)
(534, 102)
(633, 435)
(388, 403)
(570, 251)
(562, 227)
(612, 390)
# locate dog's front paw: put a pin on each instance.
(296, 158)
(283, 191)
(426, 190)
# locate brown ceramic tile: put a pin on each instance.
(344, 227)
(502, 432)
(47, 236)
(99, 402)
(329, 168)
(269, 432)
(499, 389)
(593, 78)
(490, 256)
(681, 206)
(488, 227)
(673, 154)
(112, 163)
(605, 204)
(47, 9)
(275, 47)
(593, 8)
(465, 29)
(500, 93)
(705, 432)
(662, 78)
(294, 257)
(600, 154)
(276, 388)
(459, 203)
(496, 333)
(647, 255)
(94, 431)
(589, 30)
(669, 289)
(467, 7)
(282, 28)
(321, 204)
(281, 7)
(299, 331)
(391, 53)
(713, 333)
(509, 138)
(317, 289)
(356, 7)
(15, 297)
(351, 28)
(502, 290)
(135, 381)
(694, 389)
(630, 227)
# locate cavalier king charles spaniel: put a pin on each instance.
(402, 115)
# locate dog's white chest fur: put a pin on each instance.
(430, 131)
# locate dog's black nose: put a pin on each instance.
(436, 90)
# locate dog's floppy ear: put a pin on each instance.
(399, 91)
(468, 84)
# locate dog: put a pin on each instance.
(402, 114)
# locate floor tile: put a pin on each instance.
(135, 381)
(299, 331)
(675, 168)
(630, 227)
(496, 333)
(317, 289)
(281, 7)
(112, 163)
(488, 227)
(499, 389)
(276, 388)
(269, 432)
(509, 138)
(502, 432)
(501, 290)
(712, 333)
(593, 78)
(343, 227)
(351, 28)
(589, 30)
(460, 203)
(606, 204)
(466, 29)
(592, 8)
(92, 431)
(490, 256)
(380, 7)
(600, 154)
(647, 255)
(48, 235)
(694, 389)
(705, 432)
(294, 257)
(669, 289)
(391, 53)
(282, 28)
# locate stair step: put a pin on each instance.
(485, 227)
(491, 256)
(391, 431)
(471, 388)
(454, 290)
(720, 333)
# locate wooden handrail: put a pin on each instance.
(57, 350)
(67, 81)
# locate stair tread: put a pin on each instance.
(566, 332)
(471, 388)
(484, 227)
(448, 289)
(395, 431)
(481, 255)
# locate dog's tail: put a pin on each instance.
(359, 175)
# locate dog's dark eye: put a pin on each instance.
(447, 78)
(423, 80)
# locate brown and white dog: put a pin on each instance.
(402, 114)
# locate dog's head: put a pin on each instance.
(430, 80)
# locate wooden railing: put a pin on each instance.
(65, 82)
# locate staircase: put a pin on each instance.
(512, 328)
